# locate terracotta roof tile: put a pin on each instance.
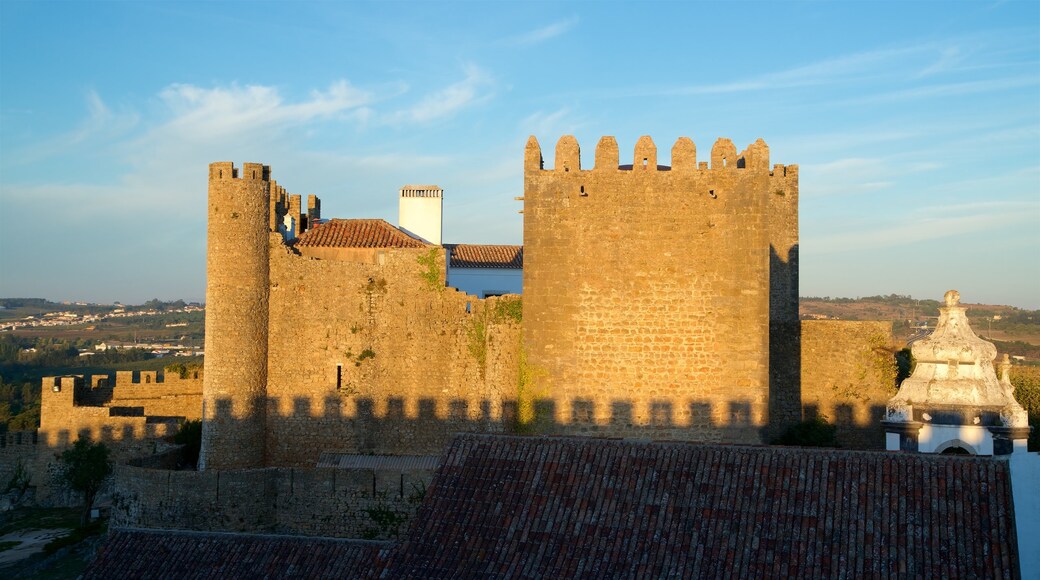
(178, 554)
(564, 507)
(486, 256)
(357, 233)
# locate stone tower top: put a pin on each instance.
(684, 156)
(250, 171)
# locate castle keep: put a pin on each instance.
(652, 292)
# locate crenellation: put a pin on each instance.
(606, 154)
(684, 155)
(568, 155)
(723, 154)
(645, 155)
(533, 155)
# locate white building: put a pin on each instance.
(954, 402)
(485, 270)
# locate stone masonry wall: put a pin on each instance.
(311, 502)
(236, 316)
(380, 357)
(647, 291)
(16, 448)
(70, 407)
(848, 374)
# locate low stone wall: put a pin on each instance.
(340, 503)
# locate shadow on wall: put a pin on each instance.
(398, 426)
(785, 344)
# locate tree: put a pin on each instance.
(190, 436)
(86, 467)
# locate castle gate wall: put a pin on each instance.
(380, 357)
(363, 503)
(647, 291)
(848, 375)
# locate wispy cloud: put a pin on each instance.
(203, 113)
(100, 122)
(926, 223)
(854, 175)
(544, 33)
(477, 87)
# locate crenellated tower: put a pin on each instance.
(653, 294)
(237, 274)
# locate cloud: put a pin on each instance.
(854, 175)
(544, 33)
(201, 114)
(100, 123)
(926, 223)
(472, 90)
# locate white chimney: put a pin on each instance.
(419, 212)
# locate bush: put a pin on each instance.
(815, 432)
(190, 436)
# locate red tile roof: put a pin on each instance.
(486, 256)
(562, 508)
(178, 554)
(357, 233)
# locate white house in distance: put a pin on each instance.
(485, 270)
(478, 269)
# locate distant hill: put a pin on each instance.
(1015, 331)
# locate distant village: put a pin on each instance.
(71, 318)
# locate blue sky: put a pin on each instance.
(916, 125)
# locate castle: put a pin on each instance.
(659, 301)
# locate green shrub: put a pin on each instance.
(815, 432)
(190, 436)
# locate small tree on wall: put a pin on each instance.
(86, 467)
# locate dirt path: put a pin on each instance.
(32, 542)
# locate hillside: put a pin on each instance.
(1015, 331)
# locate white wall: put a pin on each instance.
(480, 281)
(1025, 480)
(421, 216)
(933, 438)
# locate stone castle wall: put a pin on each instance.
(17, 448)
(376, 504)
(147, 407)
(848, 374)
(648, 291)
(394, 363)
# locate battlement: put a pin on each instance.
(224, 170)
(422, 191)
(724, 157)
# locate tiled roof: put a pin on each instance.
(175, 554)
(357, 233)
(392, 462)
(573, 507)
(486, 256)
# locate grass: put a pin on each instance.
(39, 519)
(81, 541)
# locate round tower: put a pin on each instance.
(235, 381)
